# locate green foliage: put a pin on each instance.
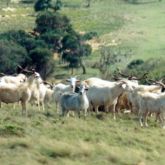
(32, 43)
(133, 64)
(28, 1)
(85, 50)
(56, 30)
(111, 59)
(42, 58)
(57, 6)
(52, 38)
(37, 53)
(16, 36)
(49, 21)
(155, 68)
(132, 1)
(42, 5)
(11, 54)
(70, 42)
(24, 39)
(89, 35)
(73, 49)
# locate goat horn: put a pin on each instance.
(2, 74)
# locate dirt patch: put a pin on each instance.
(95, 44)
(9, 9)
(55, 56)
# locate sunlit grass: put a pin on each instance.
(45, 138)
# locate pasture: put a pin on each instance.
(44, 137)
(137, 27)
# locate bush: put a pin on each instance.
(155, 68)
(133, 64)
(24, 39)
(28, 1)
(11, 54)
(41, 59)
(89, 35)
(42, 5)
(49, 21)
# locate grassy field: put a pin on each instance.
(137, 27)
(44, 138)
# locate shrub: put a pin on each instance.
(11, 54)
(135, 63)
(89, 35)
(155, 68)
(49, 21)
(41, 59)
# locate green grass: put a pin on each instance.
(43, 138)
(137, 27)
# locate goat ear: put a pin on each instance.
(77, 81)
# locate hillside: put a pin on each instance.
(139, 27)
(44, 138)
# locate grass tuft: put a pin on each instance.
(11, 130)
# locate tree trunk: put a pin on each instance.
(7, 3)
(82, 64)
(88, 3)
(72, 71)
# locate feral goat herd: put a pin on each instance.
(92, 94)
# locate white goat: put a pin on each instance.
(75, 101)
(94, 81)
(38, 92)
(11, 93)
(106, 95)
(151, 103)
(20, 78)
(61, 88)
(133, 97)
(48, 96)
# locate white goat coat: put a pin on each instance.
(20, 78)
(151, 102)
(74, 102)
(106, 95)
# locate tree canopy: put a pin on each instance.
(11, 55)
(56, 30)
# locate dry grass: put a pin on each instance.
(44, 138)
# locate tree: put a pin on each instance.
(56, 30)
(42, 5)
(111, 59)
(11, 55)
(57, 6)
(37, 51)
(8, 2)
(41, 60)
(74, 49)
(24, 39)
(49, 21)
